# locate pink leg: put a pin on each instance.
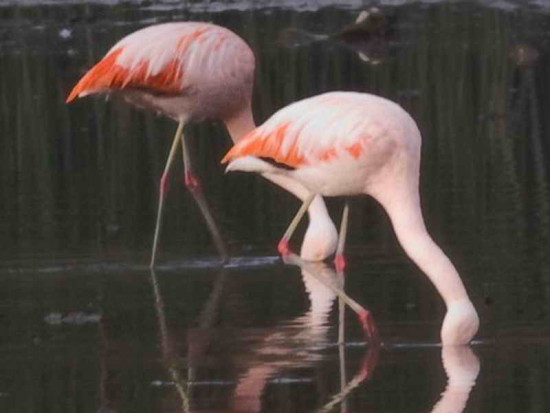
(367, 367)
(339, 260)
(365, 317)
(193, 183)
(339, 263)
(369, 326)
(283, 246)
(368, 364)
(164, 185)
(167, 344)
(163, 188)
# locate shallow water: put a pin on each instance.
(86, 327)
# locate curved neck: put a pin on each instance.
(406, 216)
(462, 368)
(247, 396)
(321, 236)
(240, 123)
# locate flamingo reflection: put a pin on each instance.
(462, 368)
(292, 344)
(167, 345)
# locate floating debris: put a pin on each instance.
(65, 33)
(76, 318)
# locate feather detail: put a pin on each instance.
(267, 146)
(107, 74)
(320, 129)
(166, 58)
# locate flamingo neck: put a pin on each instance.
(248, 393)
(461, 321)
(321, 236)
(411, 232)
(240, 123)
(321, 297)
(462, 368)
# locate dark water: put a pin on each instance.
(85, 326)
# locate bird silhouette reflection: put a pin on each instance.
(368, 36)
(462, 368)
(291, 344)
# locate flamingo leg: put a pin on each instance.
(167, 345)
(283, 247)
(340, 264)
(365, 317)
(339, 260)
(192, 183)
(341, 341)
(341, 312)
(162, 191)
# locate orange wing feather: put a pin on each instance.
(321, 129)
(107, 74)
(267, 146)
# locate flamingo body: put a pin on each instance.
(340, 143)
(191, 71)
(347, 143)
(184, 70)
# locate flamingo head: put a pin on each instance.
(460, 324)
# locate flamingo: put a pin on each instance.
(348, 143)
(191, 71)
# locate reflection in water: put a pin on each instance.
(291, 344)
(307, 330)
(524, 55)
(462, 368)
(365, 317)
(367, 36)
(284, 342)
(78, 197)
(167, 345)
(366, 368)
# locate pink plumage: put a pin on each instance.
(194, 70)
(347, 143)
(186, 70)
(193, 61)
(332, 133)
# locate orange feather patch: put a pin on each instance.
(267, 146)
(107, 74)
(355, 149)
(185, 41)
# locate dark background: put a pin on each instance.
(78, 190)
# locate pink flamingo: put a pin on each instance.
(346, 143)
(187, 71)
